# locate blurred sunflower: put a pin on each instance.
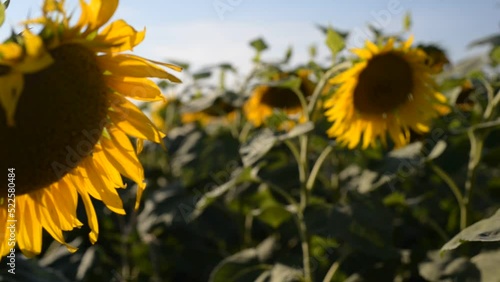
(390, 90)
(436, 57)
(219, 111)
(464, 101)
(65, 117)
(266, 98)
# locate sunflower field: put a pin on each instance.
(379, 163)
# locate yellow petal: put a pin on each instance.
(69, 200)
(121, 35)
(130, 65)
(372, 47)
(29, 236)
(135, 87)
(53, 6)
(10, 51)
(33, 43)
(91, 214)
(408, 43)
(362, 53)
(84, 15)
(121, 154)
(106, 190)
(48, 222)
(37, 57)
(11, 87)
(389, 45)
(139, 145)
(130, 119)
(100, 11)
(170, 66)
(109, 170)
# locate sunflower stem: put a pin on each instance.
(304, 199)
(304, 237)
(296, 154)
(492, 101)
(475, 154)
(301, 159)
(243, 136)
(303, 102)
(321, 84)
(316, 167)
(456, 191)
(333, 269)
(301, 226)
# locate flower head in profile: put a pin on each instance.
(65, 119)
(389, 91)
(265, 99)
(436, 57)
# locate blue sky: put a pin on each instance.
(196, 32)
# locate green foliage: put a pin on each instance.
(407, 22)
(486, 230)
(334, 41)
(2, 12)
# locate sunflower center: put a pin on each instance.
(282, 97)
(59, 118)
(385, 84)
(218, 109)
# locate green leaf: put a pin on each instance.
(298, 130)
(227, 66)
(202, 75)
(486, 230)
(2, 13)
(199, 104)
(324, 29)
(285, 273)
(259, 44)
(288, 55)
(291, 83)
(265, 140)
(364, 224)
(492, 39)
(495, 55)
(395, 199)
(274, 216)
(437, 150)
(334, 41)
(395, 166)
(239, 175)
(487, 262)
(246, 265)
(407, 21)
(313, 51)
(183, 65)
(441, 268)
(257, 147)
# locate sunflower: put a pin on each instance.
(436, 57)
(220, 111)
(265, 99)
(464, 101)
(390, 90)
(65, 120)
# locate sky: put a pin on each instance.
(208, 32)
